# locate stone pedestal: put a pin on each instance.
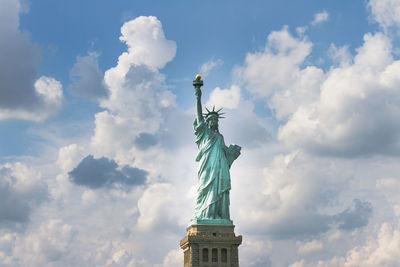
(211, 246)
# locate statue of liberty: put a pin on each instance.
(214, 181)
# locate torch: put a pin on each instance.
(197, 83)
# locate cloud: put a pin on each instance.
(103, 172)
(252, 132)
(156, 209)
(138, 98)
(146, 42)
(21, 191)
(301, 30)
(208, 66)
(22, 95)
(310, 247)
(237, 110)
(380, 249)
(357, 110)
(296, 197)
(145, 140)
(225, 98)
(356, 216)
(56, 243)
(255, 252)
(287, 203)
(61, 235)
(51, 244)
(136, 107)
(275, 74)
(173, 258)
(373, 244)
(340, 55)
(69, 156)
(86, 77)
(390, 187)
(348, 111)
(385, 12)
(290, 196)
(320, 17)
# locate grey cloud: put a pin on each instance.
(104, 172)
(133, 176)
(87, 79)
(145, 140)
(18, 60)
(266, 262)
(313, 223)
(356, 216)
(17, 200)
(18, 69)
(301, 226)
(12, 207)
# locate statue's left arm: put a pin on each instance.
(232, 153)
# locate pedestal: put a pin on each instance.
(211, 246)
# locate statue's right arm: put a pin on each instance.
(198, 106)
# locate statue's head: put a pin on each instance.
(212, 121)
(212, 118)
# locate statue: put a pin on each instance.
(214, 182)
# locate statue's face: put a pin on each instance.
(212, 122)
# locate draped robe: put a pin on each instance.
(214, 180)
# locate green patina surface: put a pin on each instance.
(215, 158)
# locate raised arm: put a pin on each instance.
(198, 106)
(197, 85)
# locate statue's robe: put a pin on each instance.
(214, 179)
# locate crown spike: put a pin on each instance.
(213, 112)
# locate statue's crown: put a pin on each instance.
(213, 112)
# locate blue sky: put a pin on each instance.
(97, 149)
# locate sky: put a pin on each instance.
(97, 151)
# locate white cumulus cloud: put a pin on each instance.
(138, 96)
(225, 98)
(276, 75)
(386, 12)
(146, 42)
(358, 107)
